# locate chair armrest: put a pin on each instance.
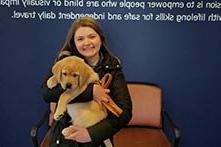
(37, 126)
(172, 125)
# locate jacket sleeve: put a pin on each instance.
(109, 126)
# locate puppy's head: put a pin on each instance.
(69, 78)
(72, 72)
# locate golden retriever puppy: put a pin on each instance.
(74, 75)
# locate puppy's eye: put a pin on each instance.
(75, 74)
(64, 73)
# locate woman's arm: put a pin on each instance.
(51, 95)
(109, 126)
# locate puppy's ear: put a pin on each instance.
(83, 79)
(86, 74)
(56, 70)
(86, 77)
(55, 79)
(52, 82)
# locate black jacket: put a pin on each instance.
(119, 93)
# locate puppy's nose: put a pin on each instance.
(68, 85)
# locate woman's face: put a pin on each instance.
(87, 42)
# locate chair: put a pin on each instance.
(147, 126)
(47, 119)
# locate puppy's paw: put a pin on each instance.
(58, 116)
(52, 82)
(67, 131)
(60, 111)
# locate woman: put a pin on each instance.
(86, 40)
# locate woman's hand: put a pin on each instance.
(100, 94)
(80, 134)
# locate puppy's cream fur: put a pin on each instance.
(74, 75)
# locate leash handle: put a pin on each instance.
(110, 105)
(106, 80)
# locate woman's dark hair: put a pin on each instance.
(86, 21)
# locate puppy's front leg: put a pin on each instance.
(64, 99)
